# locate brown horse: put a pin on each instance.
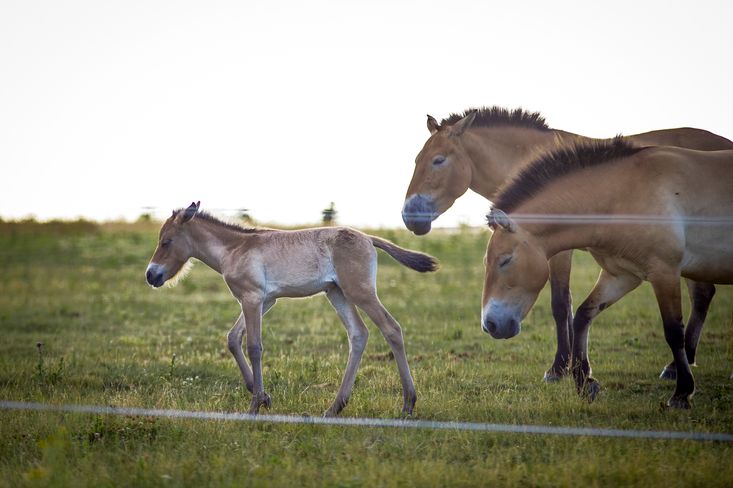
(261, 265)
(636, 212)
(480, 149)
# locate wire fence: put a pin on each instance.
(373, 422)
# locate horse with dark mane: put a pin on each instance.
(639, 211)
(261, 265)
(479, 149)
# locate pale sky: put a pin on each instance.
(281, 107)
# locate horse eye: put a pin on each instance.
(438, 160)
(505, 260)
(166, 243)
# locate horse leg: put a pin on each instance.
(253, 319)
(234, 341)
(392, 333)
(701, 294)
(607, 291)
(358, 335)
(562, 312)
(667, 290)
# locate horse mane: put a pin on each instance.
(533, 177)
(214, 220)
(499, 116)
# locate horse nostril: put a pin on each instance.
(489, 327)
(149, 277)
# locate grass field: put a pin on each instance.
(109, 339)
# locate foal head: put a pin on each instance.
(442, 174)
(516, 271)
(174, 247)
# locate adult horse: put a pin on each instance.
(480, 149)
(659, 230)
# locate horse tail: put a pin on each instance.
(412, 259)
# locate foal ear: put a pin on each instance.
(190, 212)
(497, 218)
(433, 125)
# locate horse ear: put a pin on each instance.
(433, 125)
(459, 127)
(190, 212)
(497, 218)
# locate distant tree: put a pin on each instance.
(145, 217)
(329, 215)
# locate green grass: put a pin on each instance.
(108, 339)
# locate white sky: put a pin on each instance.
(107, 107)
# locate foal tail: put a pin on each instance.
(412, 259)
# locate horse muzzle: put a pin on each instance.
(418, 213)
(155, 275)
(500, 322)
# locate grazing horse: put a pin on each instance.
(480, 149)
(261, 265)
(644, 213)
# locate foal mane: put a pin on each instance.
(201, 215)
(533, 177)
(500, 116)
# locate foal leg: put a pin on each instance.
(253, 320)
(234, 341)
(392, 333)
(607, 291)
(562, 312)
(358, 335)
(667, 291)
(701, 294)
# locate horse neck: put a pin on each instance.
(497, 152)
(212, 242)
(573, 195)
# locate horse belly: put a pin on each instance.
(708, 257)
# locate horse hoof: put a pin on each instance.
(555, 373)
(679, 402)
(668, 374)
(330, 414)
(589, 389)
(592, 390)
(552, 377)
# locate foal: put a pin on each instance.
(262, 265)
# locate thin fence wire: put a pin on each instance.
(373, 422)
(577, 219)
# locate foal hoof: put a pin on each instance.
(261, 400)
(408, 404)
(679, 402)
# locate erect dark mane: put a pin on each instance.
(210, 218)
(562, 161)
(497, 116)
